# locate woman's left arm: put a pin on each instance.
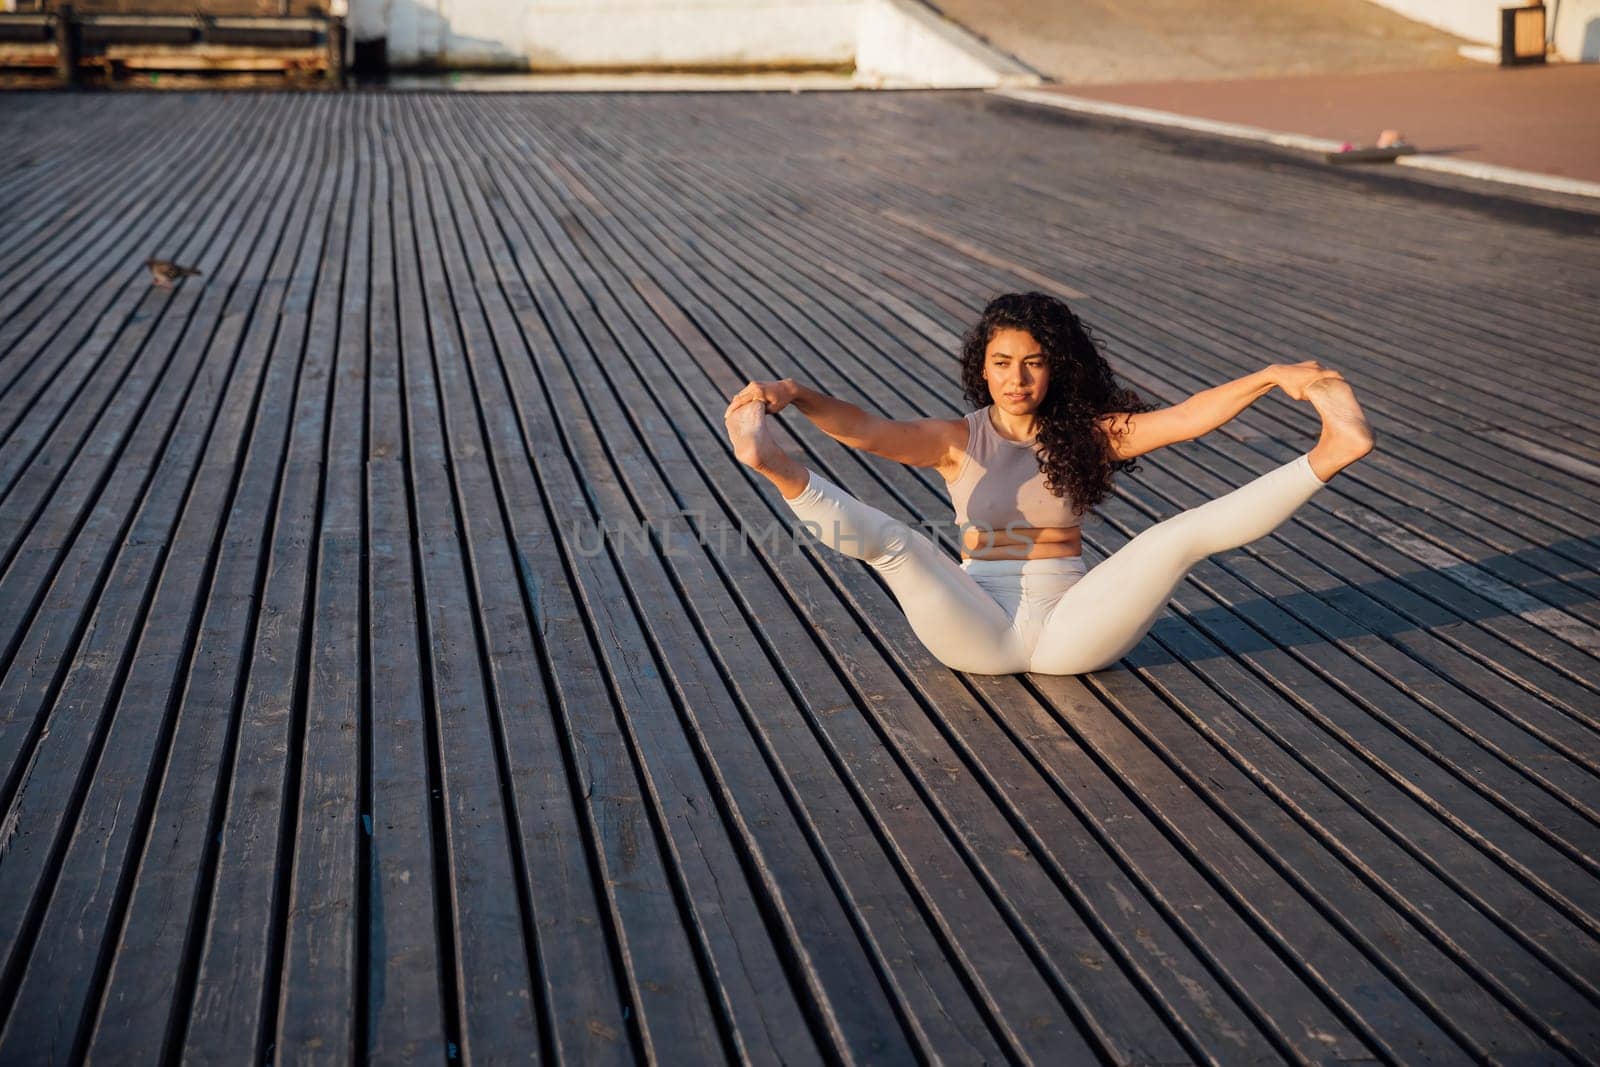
(1134, 434)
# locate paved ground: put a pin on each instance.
(1341, 69)
(1531, 118)
(1085, 42)
(330, 724)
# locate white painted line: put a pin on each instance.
(1508, 597)
(1467, 168)
(1559, 460)
(1490, 172)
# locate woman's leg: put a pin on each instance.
(951, 614)
(1108, 611)
(964, 627)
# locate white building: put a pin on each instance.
(892, 38)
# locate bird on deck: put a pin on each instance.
(164, 272)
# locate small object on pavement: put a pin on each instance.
(1384, 154)
(1389, 138)
(164, 272)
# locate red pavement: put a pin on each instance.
(1544, 119)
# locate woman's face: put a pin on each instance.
(1017, 371)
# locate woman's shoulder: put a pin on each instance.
(959, 430)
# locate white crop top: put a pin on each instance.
(1000, 482)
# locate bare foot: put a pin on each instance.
(754, 446)
(1346, 437)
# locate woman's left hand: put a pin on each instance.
(774, 395)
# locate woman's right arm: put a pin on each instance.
(917, 442)
(839, 419)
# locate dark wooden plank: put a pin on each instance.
(669, 1000)
(115, 803)
(73, 560)
(578, 349)
(322, 735)
(320, 966)
(45, 302)
(848, 1007)
(765, 1016)
(39, 126)
(576, 976)
(173, 879)
(119, 363)
(1482, 948)
(495, 1011)
(740, 779)
(1311, 219)
(1513, 743)
(47, 195)
(409, 1000)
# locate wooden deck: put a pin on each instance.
(330, 729)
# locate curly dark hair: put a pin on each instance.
(1074, 452)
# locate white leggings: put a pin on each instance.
(1047, 616)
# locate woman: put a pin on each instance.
(1050, 429)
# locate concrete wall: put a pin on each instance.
(1476, 20)
(890, 43)
(599, 34)
(902, 43)
(1576, 22)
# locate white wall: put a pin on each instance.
(556, 34)
(902, 43)
(1576, 22)
(1476, 20)
(1577, 30)
(688, 32)
(893, 43)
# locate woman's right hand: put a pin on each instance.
(775, 395)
